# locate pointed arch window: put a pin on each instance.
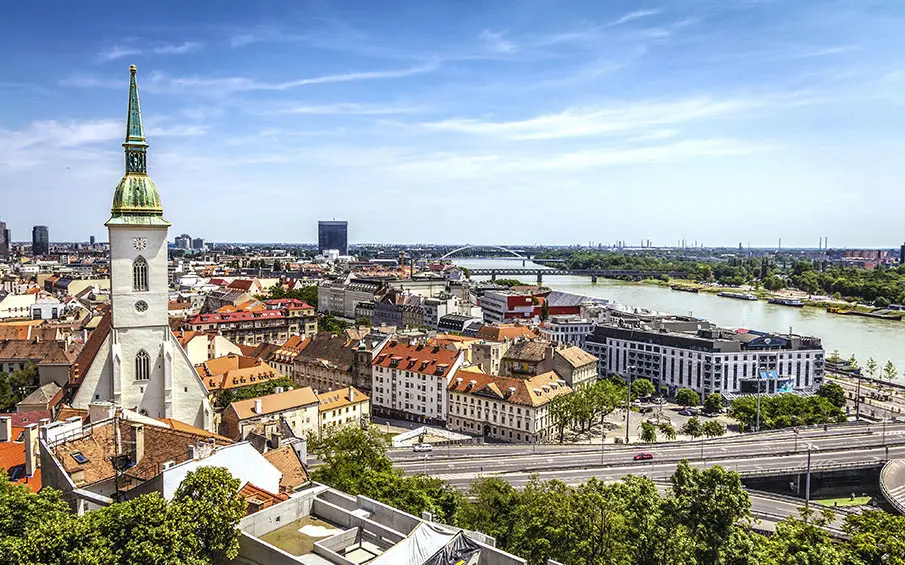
(142, 366)
(140, 275)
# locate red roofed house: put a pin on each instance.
(277, 322)
(409, 380)
(19, 455)
(506, 408)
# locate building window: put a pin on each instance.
(142, 366)
(140, 275)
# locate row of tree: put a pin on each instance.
(197, 527)
(703, 518)
(890, 372)
(788, 410)
(877, 286)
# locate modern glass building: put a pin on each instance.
(333, 235)
(40, 241)
(4, 242)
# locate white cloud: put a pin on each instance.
(118, 52)
(600, 120)
(349, 109)
(631, 16)
(497, 42)
(186, 47)
(238, 84)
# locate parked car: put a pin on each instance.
(646, 409)
(685, 412)
(659, 400)
(423, 448)
(644, 456)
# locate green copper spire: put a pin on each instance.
(136, 200)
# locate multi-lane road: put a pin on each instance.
(848, 446)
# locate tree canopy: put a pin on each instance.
(198, 527)
(784, 411)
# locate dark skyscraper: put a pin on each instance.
(4, 242)
(91, 240)
(902, 254)
(333, 235)
(40, 241)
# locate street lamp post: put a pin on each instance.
(858, 397)
(628, 401)
(759, 369)
(796, 439)
(807, 484)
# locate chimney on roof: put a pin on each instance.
(277, 389)
(6, 428)
(31, 450)
(137, 450)
(259, 406)
(351, 393)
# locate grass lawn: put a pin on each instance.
(845, 501)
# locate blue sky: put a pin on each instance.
(539, 121)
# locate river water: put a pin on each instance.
(865, 337)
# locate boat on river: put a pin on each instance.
(880, 314)
(786, 302)
(737, 295)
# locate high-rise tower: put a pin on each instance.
(141, 366)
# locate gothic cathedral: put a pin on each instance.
(141, 365)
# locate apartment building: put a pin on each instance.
(566, 330)
(409, 381)
(700, 356)
(276, 322)
(507, 306)
(504, 408)
(341, 408)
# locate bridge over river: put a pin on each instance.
(592, 273)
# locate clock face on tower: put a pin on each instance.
(139, 243)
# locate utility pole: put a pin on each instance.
(628, 402)
(858, 396)
(807, 484)
(757, 425)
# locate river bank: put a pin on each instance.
(864, 337)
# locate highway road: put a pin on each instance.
(752, 454)
(765, 454)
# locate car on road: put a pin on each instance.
(685, 412)
(659, 400)
(423, 448)
(644, 456)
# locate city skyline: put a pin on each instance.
(740, 121)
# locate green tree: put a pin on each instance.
(648, 432)
(890, 372)
(871, 367)
(688, 397)
(330, 324)
(713, 404)
(510, 282)
(667, 429)
(834, 357)
(853, 362)
(363, 321)
(17, 385)
(642, 387)
(803, 542)
(209, 507)
(710, 504)
(713, 428)
(692, 428)
(833, 393)
(21, 510)
(877, 537)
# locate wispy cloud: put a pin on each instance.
(497, 42)
(239, 84)
(599, 121)
(631, 16)
(348, 109)
(118, 52)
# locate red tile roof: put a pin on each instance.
(12, 458)
(418, 358)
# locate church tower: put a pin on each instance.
(141, 366)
